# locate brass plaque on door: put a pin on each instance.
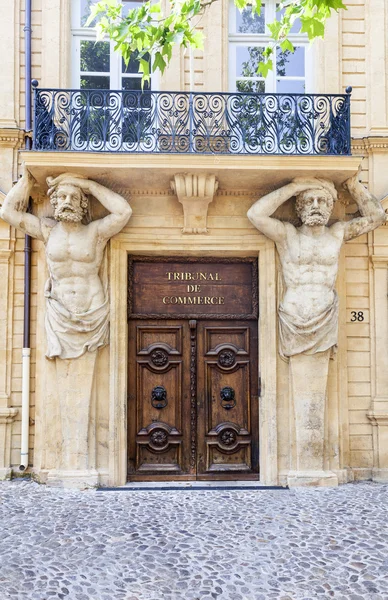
(197, 288)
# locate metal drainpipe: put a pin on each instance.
(26, 352)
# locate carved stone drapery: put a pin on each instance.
(195, 193)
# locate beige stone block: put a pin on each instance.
(19, 286)
(16, 371)
(353, 26)
(360, 374)
(358, 416)
(16, 431)
(362, 474)
(361, 442)
(19, 272)
(18, 327)
(356, 250)
(359, 389)
(357, 329)
(352, 66)
(359, 403)
(353, 52)
(16, 399)
(358, 92)
(357, 276)
(359, 344)
(17, 340)
(357, 262)
(357, 302)
(16, 356)
(16, 384)
(358, 121)
(354, 10)
(360, 429)
(357, 289)
(358, 359)
(18, 313)
(381, 236)
(361, 458)
(15, 455)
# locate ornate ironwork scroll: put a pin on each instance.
(191, 122)
(193, 394)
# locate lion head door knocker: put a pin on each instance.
(228, 400)
(159, 397)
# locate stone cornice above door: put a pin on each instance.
(153, 172)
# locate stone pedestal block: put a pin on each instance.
(309, 373)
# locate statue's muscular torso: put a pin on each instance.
(310, 265)
(74, 258)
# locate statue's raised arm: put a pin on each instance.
(16, 204)
(371, 210)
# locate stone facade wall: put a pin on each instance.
(50, 38)
(354, 61)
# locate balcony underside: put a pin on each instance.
(151, 172)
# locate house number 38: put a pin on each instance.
(357, 316)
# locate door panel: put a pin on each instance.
(227, 400)
(158, 397)
(192, 399)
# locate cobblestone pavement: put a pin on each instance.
(191, 544)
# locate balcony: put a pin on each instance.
(191, 123)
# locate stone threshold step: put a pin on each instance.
(190, 485)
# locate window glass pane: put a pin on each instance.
(297, 24)
(94, 82)
(248, 22)
(94, 56)
(257, 87)
(133, 65)
(290, 64)
(290, 86)
(134, 83)
(86, 5)
(247, 60)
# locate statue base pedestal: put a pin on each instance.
(73, 479)
(5, 473)
(312, 478)
(380, 475)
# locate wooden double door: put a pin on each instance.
(193, 399)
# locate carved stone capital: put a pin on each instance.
(11, 137)
(7, 415)
(195, 193)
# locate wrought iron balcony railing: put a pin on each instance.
(191, 122)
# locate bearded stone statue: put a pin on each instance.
(77, 301)
(77, 308)
(308, 310)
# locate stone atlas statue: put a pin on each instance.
(77, 303)
(308, 311)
